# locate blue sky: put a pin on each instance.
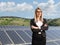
(26, 8)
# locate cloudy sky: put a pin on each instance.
(26, 8)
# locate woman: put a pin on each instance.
(38, 26)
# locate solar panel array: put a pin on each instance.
(19, 35)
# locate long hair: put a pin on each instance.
(35, 17)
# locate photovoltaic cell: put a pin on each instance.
(58, 42)
(16, 39)
(51, 36)
(54, 34)
(57, 33)
(51, 43)
(24, 36)
(29, 32)
(16, 35)
(3, 38)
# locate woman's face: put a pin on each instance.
(38, 13)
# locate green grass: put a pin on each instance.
(54, 22)
(14, 21)
(25, 22)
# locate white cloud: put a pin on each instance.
(35, 2)
(12, 6)
(24, 6)
(51, 1)
(50, 8)
(57, 6)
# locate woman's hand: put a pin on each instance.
(34, 27)
(45, 25)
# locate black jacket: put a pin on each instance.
(35, 31)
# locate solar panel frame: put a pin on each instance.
(52, 38)
(24, 36)
(16, 39)
(4, 39)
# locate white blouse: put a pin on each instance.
(39, 24)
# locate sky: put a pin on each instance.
(26, 8)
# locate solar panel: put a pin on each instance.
(29, 32)
(51, 36)
(15, 38)
(24, 36)
(4, 38)
(58, 42)
(19, 35)
(51, 43)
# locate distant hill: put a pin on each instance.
(9, 17)
(54, 22)
(12, 20)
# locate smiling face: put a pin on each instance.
(38, 13)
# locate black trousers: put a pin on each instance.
(38, 40)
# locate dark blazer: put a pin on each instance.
(35, 31)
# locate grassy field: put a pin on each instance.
(54, 22)
(14, 21)
(25, 22)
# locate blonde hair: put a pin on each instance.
(35, 17)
